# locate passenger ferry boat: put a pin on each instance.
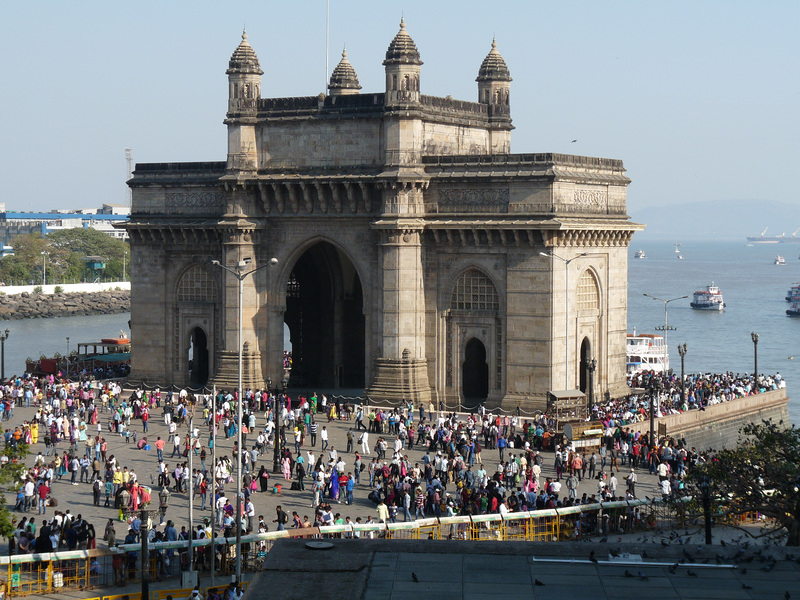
(708, 299)
(793, 295)
(639, 254)
(779, 260)
(794, 310)
(110, 355)
(646, 352)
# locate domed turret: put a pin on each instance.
(402, 69)
(244, 59)
(244, 78)
(344, 80)
(494, 79)
(244, 89)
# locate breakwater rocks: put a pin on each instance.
(35, 306)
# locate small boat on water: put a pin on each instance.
(793, 310)
(646, 352)
(780, 260)
(793, 294)
(680, 256)
(639, 254)
(708, 299)
(110, 357)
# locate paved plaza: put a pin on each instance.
(78, 499)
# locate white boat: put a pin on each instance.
(708, 299)
(779, 260)
(639, 254)
(646, 352)
(680, 256)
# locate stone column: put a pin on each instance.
(401, 372)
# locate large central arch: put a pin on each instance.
(325, 316)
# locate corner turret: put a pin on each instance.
(402, 69)
(494, 79)
(244, 89)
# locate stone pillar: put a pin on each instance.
(401, 372)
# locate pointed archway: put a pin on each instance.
(474, 373)
(325, 317)
(198, 358)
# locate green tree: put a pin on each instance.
(10, 480)
(761, 474)
(79, 243)
(25, 265)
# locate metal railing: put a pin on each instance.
(27, 574)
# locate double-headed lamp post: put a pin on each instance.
(276, 456)
(666, 327)
(241, 274)
(3, 338)
(566, 262)
(682, 351)
(754, 337)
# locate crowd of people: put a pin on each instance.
(458, 474)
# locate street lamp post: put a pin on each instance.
(666, 328)
(67, 345)
(754, 337)
(276, 457)
(240, 275)
(3, 338)
(591, 367)
(44, 268)
(124, 256)
(682, 351)
(566, 262)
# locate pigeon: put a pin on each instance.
(414, 577)
(592, 557)
(573, 141)
(604, 540)
(537, 582)
(743, 571)
(691, 573)
(628, 573)
(787, 595)
(614, 553)
(747, 587)
(722, 543)
(644, 554)
(673, 569)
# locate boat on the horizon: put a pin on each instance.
(780, 260)
(774, 239)
(646, 352)
(639, 254)
(708, 299)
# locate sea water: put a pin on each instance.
(754, 289)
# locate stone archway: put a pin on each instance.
(325, 316)
(198, 358)
(474, 373)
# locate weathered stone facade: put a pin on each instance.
(409, 242)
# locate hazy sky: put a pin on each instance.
(700, 99)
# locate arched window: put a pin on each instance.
(474, 291)
(588, 292)
(196, 285)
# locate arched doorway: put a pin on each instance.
(198, 358)
(586, 357)
(325, 317)
(474, 373)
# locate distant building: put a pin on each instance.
(13, 224)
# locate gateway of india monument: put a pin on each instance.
(417, 257)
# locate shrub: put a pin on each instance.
(37, 289)
(59, 289)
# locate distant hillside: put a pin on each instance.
(732, 220)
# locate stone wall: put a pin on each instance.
(33, 306)
(718, 426)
